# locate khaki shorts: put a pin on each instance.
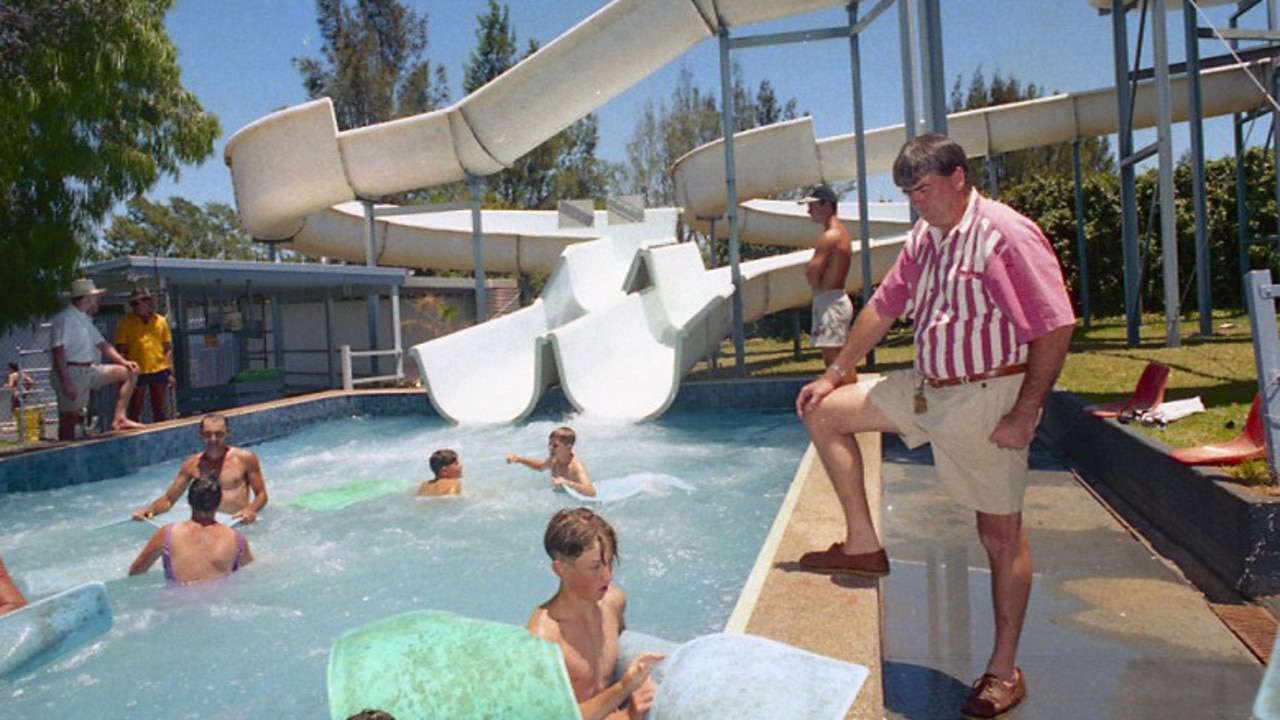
(84, 378)
(958, 423)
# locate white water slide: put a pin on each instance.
(626, 311)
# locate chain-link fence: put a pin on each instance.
(25, 352)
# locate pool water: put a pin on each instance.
(256, 644)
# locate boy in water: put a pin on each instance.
(447, 469)
(585, 618)
(566, 469)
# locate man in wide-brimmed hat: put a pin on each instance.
(77, 347)
(143, 336)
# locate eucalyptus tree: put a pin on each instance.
(182, 229)
(373, 62)
(565, 166)
(94, 112)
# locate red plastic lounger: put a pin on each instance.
(1148, 394)
(1250, 445)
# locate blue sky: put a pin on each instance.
(236, 57)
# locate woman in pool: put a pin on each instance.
(199, 549)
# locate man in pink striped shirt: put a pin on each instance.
(992, 324)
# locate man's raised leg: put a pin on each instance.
(833, 426)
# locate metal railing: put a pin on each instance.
(349, 381)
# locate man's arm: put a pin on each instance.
(59, 353)
(163, 503)
(1045, 357)
(578, 479)
(168, 358)
(109, 352)
(868, 329)
(150, 553)
(257, 486)
(529, 462)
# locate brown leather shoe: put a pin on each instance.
(993, 697)
(833, 561)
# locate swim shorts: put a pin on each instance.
(832, 316)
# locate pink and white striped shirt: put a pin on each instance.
(979, 295)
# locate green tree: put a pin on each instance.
(1012, 167)
(1049, 200)
(564, 167)
(93, 112)
(372, 63)
(181, 229)
(690, 118)
(666, 130)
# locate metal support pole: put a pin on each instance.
(1168, 214)
(277, 322)
(933, 76)
(1275, 123)
(1128, 201)
(1195, 122)
(328, 337)
(731, 193)
(395, 331)
(860, 149)
(1242, 208)
(371, 260)
(1082, 252)
(475, 185)
(907, 45)
(1266, 356)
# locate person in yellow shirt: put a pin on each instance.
(143, 337)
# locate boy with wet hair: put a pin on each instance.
(585, 618)
(566, 469)
(447, 469)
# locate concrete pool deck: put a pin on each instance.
(1113, 630)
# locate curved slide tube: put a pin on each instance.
(497, 371)
(656, 336)
(681, 315)
(784, 156)
(295, 162)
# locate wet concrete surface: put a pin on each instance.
(1112, 632)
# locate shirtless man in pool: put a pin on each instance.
(244, 492)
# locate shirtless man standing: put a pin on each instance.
(826, 273)
(237, 471)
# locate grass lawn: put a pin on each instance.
(1219, 369)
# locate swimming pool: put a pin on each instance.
(257, 644)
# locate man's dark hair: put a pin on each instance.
(205, 494)
(931, 153)
(442, 459)
(215, 417)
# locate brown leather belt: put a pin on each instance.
(87, 364)
(966, 379)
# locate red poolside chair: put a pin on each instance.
(1146, 396)
(1250, 445)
